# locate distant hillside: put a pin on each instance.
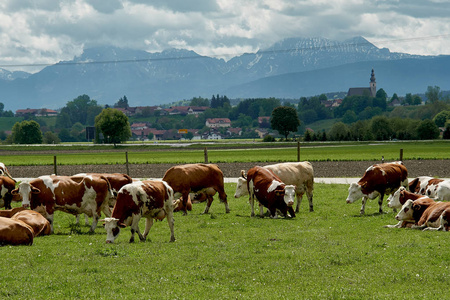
(291, 68)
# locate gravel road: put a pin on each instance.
(436, 168)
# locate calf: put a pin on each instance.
(270, 192)
(196, 178)
(7, 185)
(300, 174)
(151, 199)
(15, 232)
(378, 180)
(46, 194)
(425, 213)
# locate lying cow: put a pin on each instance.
(196, 178)
(270, 192)
(300, 174)
(6, 186)
(151, 199)
(426, 214)
(424, 185)
(378, 180)
(46, 194)
(15, 232)
(116, 181)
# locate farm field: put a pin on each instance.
(327, 254)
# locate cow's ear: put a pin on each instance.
(243, 174)
(121, 225)
(416, 207)
(15, 192)
(35, 190)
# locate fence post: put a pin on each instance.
(126, 162)
(54, 165)
(401, 154)
(206, 155)
(298, 151)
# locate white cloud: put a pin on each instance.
(48, 31)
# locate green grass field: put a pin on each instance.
(235, 153)
(332, 253)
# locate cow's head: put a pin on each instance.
(406, 213)
(354, 192)
(25, 190)
(289, 194)
(241, 187)
(112, 227)
(395, 200)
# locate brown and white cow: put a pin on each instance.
(270, 192)
(4, 171)
(40, 225)
(196, 178)
(378, 180)
(46, 194)
(424, 185)
(300, 174)
(116, 181)
(15, 232)
(151, 199)
(441, 191)
(6, 186)
(425, 213)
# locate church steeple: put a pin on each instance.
(373, 84)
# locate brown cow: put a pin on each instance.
(15, 232)
(426, 214)
(6, 186)
(378, 180)
(195, 178)
(46, 194)
(40, 225)
(270, 192)
(151, 199)
(424, 185)
(116, 180)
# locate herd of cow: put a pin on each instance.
(124, 200)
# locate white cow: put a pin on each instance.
(300, 174)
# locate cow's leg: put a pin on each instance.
(223, 198)
(148, 226)
(261, 210)
(86, 219)
(49, 217)
(168, 206)
(77, 220)
(291, 212)
(251, 200)
(185, 200)
(310, 199)
(363, 206)
(95, 218)
(299, 200)
(380, 203)
(208, 204)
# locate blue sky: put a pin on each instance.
(49, 31)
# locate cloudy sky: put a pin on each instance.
(34, 32)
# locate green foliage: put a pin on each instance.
(199, 101)
(284, 119)
(114, 125)
(27, 132)
(82, 109)
(427, 130)
(122, 103)
(51, 138)
(381, 128)
(255, 107)
(441, 118)
(433, 94)
(332, 253)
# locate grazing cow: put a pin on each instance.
(378, 180)
(6, 186)
(46, 194)
(15, 232)
(4, 171)
(178, 204)
(116, 180)
(300, 174)
(40, 225)
(196, 178)
(270, 192)
(425, 213)
(151, 199)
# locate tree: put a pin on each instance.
(27, 132)
(51, 138)
(339, 132)
(82, 109)
(199, 101)
(441, 118)
(122, 103)
(433, 94)
(381, 128)
(446, 134)
(114, 126)
(427, 130)
(284, 119)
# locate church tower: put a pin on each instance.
(373, 85)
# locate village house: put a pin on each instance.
(218, 122)
(41, 112)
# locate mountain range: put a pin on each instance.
(289, 69)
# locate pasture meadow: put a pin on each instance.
(330, 253)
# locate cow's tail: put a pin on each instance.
(110, 190)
